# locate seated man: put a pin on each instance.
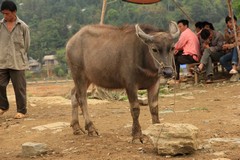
(211, 46)
(198, 28)
(230, 60)
(187, 49)
(208, 25)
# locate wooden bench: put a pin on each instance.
(215, 70)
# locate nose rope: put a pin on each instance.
(161, 63)
(172, 67)
(175, 72)
(162, 66)
(151, 52)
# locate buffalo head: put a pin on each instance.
(160, 46)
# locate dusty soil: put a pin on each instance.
(214, 109)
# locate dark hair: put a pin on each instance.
(8, 5)
(199, 24)
(205, 23)
(183, 21)
(228, 18)
(205, 33)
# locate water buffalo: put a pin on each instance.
(130, 57)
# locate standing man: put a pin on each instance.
(14, 44)
(187, 49)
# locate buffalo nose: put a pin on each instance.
(167, 72)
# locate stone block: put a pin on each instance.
(173, 139)
(33, 149)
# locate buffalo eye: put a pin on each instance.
(154, 49)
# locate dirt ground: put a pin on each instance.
(213, 108)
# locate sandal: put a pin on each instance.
(2, 111)
(190, 75)
(209, 80)
(233, 71)
(196, 70)
(19, 116)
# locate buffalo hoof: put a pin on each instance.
(143, 139)
(92, 131)
(77, 130)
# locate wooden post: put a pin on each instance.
(104, 6)
(230, 12)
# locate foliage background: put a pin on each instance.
(53, 22)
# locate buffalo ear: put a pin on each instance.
(174, 30)
(141, 34)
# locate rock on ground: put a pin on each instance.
(33, 149)
(173, 139)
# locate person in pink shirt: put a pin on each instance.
(187, 48)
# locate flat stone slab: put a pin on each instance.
(50, 100)
(225, 140)
(52, 126)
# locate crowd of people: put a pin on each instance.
(206, 46)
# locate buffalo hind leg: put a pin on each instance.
(135, 112)
(75, 120)
(82, 100)
(153, 102)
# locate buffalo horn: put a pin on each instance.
(142, 34)
(174, 30)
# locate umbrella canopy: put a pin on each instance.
(142, 1)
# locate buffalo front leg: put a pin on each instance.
(75, 120)
(153, 101)
(135, 112)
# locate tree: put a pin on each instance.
(236, 8)
(53, 22)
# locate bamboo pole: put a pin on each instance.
(188, 17)
(104, 6)
(230, 12)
